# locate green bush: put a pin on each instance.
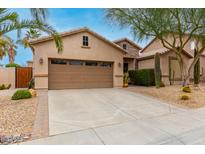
(186, 89)
(31, 84)
(21, 94)
(184, 97)
(142, 77)
(13, 65)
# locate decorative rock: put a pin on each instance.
(33, 92)
(2, 139)
(14, 139)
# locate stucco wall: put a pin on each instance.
(164, 63)
(132, 50)
(131, 63)
(147, 63)
(156, 44)
(7, 76)
(98, 50)
(202, 68)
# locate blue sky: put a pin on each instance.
(67, 19)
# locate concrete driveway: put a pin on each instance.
(117, 116)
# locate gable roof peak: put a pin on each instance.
(129, 41)
(75, 31)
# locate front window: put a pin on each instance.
(105, 64)
(58, 61)
(85, 41)
(124, 46)
(90, 63)
(75, 62)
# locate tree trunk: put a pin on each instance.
(184, 72)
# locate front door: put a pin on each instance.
(125, 67)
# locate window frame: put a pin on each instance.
(55, 62)
(79, 62)
(85, 41)
(105, 64)
(124, 46)
(86, 63)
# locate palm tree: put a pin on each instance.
(9, 21)
(7, 47)
(30, 34)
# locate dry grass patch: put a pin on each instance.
(16, 117)
(171, 94)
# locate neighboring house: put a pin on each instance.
(169, 64)
(88, 60)
(132, 53)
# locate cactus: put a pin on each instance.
(157, 70)
(196, 71)
(173, 76)
(170, 78)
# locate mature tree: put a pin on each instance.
(9, 21)
(179, 25)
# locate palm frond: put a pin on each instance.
(30, 24)
(39, 14)
(12, 16)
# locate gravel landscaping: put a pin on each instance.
(171, 94)
(16, 117)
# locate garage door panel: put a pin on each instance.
(79, 85)
(65, 76)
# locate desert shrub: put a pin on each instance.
(162, 84)
(21, 94)
(142, 77)
(12, 65)
(8, 86)
(125, 80)
(186, 89)
(2, 87)
(33, 92)
(31, 84)
(184, 97)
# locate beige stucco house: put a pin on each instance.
(168, 60)
(132, 53)
(88, 60)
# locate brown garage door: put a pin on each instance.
(71, 74)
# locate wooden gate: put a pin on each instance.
(23, 76)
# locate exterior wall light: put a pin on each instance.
(41, 60)
(119, 64)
